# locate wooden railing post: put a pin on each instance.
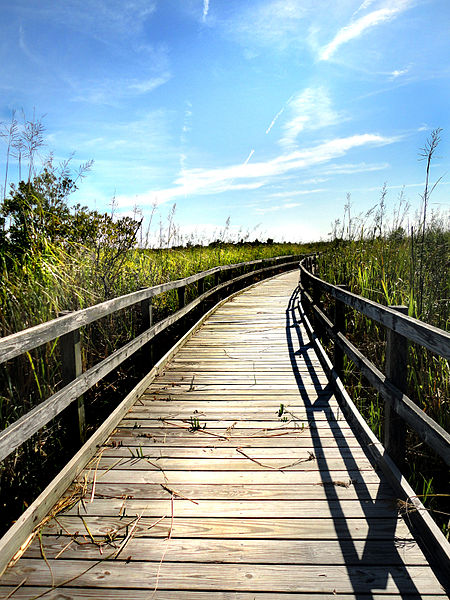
(181, 292)
(396, 372)
(70, 348)
(216, 278)
(147, 322)
(201, 286)
(339, 323)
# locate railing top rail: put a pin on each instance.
(434, 339)
(23, 341)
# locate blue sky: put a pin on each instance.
(265, 111)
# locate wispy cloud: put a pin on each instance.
(350, 169)
(100, 92)
(257, 174)
(311, 109)
(399, 73)
(205, 9)
(358, 26)
(277, 207)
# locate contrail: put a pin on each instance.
(252, 152)
(279, 113)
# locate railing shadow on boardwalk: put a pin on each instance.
(362, 577)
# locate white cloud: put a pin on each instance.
(299, 192)
(276, 23)
(349, 169)
(398, 73)
(311, 109)
(254, 175)
(357, 27)
(205, 9)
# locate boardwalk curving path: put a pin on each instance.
(234, 477)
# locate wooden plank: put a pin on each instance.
(25, 593)
(238, 463)
(232, 477)
(277, 578)
(342, 490)
(142, 438)
(271, 551)
(383, 509)
(291, 453)
(218, 528)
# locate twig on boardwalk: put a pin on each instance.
(95, 475)
(65, 548)
(174, 493)
(18, 586)
(41, 545)
(111, 555)
(166, 548)
(257, 461)
(296, 462)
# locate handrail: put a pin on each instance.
(434, 339)
(23, 341)
(405, 328)
(22, 429)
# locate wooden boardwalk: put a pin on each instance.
(234, 477)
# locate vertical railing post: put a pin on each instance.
(147, 322)
(216, 278)
(396, 372)
(339, 323)
(181, 292)
(70, 348)
(201, 286)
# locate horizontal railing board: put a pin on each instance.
(434, 339)
(23, 341)
(27, 425)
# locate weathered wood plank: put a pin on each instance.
(277, 578)
(382, 509)
(232, 477)
(211, 527)
(25, 592)
(342, 490)
(271, 551)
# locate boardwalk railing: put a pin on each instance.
(392, 384)
(67, 329)
(399, 408)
